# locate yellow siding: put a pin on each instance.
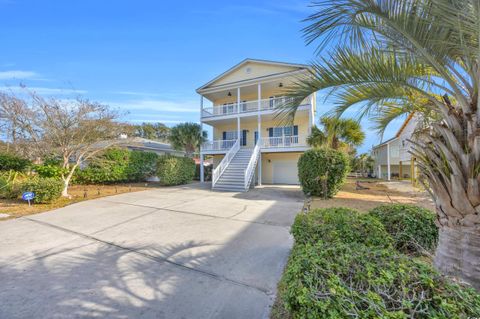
(301, 120)
(267, 164)
(256, 70)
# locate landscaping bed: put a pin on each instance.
(348, 264)
(17, 207)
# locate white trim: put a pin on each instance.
(248, 60)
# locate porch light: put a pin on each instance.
(229, 94)
(280, 85)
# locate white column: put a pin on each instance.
(202, 177)
(388, 161)
(238, 110)
(238, 100)
(259, 134)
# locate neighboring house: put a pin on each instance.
(392, 157)
(146, 145)
(249, 142)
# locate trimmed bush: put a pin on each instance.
(141, 165)
(107, 168)
(9, 184)
(339, 225)
(413, 228)
(117, 165)
(46, 189)
(12, 162)
(173, 170)
(322, 171)
(339, 280)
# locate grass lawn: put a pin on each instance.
(379, 192)
(17, 207)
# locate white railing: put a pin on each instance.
(283, 141)
(218, 145)
(218, 171)
(248, 106)
(251, 165)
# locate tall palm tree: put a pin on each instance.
(392, 57)
(187, 137)
(337, 133)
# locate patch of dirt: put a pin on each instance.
(16, 207)
(378, 193)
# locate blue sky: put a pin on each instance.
(146, 57)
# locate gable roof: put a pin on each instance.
(399, 132)
(248, 60)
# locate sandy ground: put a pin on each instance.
(13, 208)
(379, 192)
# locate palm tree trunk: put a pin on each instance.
(458, 254)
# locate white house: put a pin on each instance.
(392, 157)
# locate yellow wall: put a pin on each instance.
(256, 70)
(301, 120)
(267, 163)
(267, 167)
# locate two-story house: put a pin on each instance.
(250, 143)
(392, 157)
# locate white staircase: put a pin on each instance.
(233, 178)
(236, 170)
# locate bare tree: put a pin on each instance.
(72, 130)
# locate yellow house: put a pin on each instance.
(250, 144)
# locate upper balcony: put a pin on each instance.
(252, 107)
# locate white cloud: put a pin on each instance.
(42, 90)
(17, 74)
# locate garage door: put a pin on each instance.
(285, 172)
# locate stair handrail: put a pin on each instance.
(251, 165)
(218, 171)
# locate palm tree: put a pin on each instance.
(393, 57)
(343, 134)
(187, 137)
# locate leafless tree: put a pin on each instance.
(72, 130)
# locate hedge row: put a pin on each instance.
(344, 265)
(118, 165)
(172, 170)
(13, 162)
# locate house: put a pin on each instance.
(250, 144)
(146, 145)
(392, 157)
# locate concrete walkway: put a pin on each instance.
(181, 252)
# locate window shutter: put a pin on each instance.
(270, 132)
(224, 136)
(256, 137)
(295, 130)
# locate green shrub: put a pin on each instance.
(339, 280)
(46, 189)
(141, 165)
(49, 170)
(339, 225)
(9, 184)
(413, 228)
(322, 171)
(172, 170)
(117, 165)
(12, 162)
(109, 167)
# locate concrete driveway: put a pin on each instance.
(181, 252)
